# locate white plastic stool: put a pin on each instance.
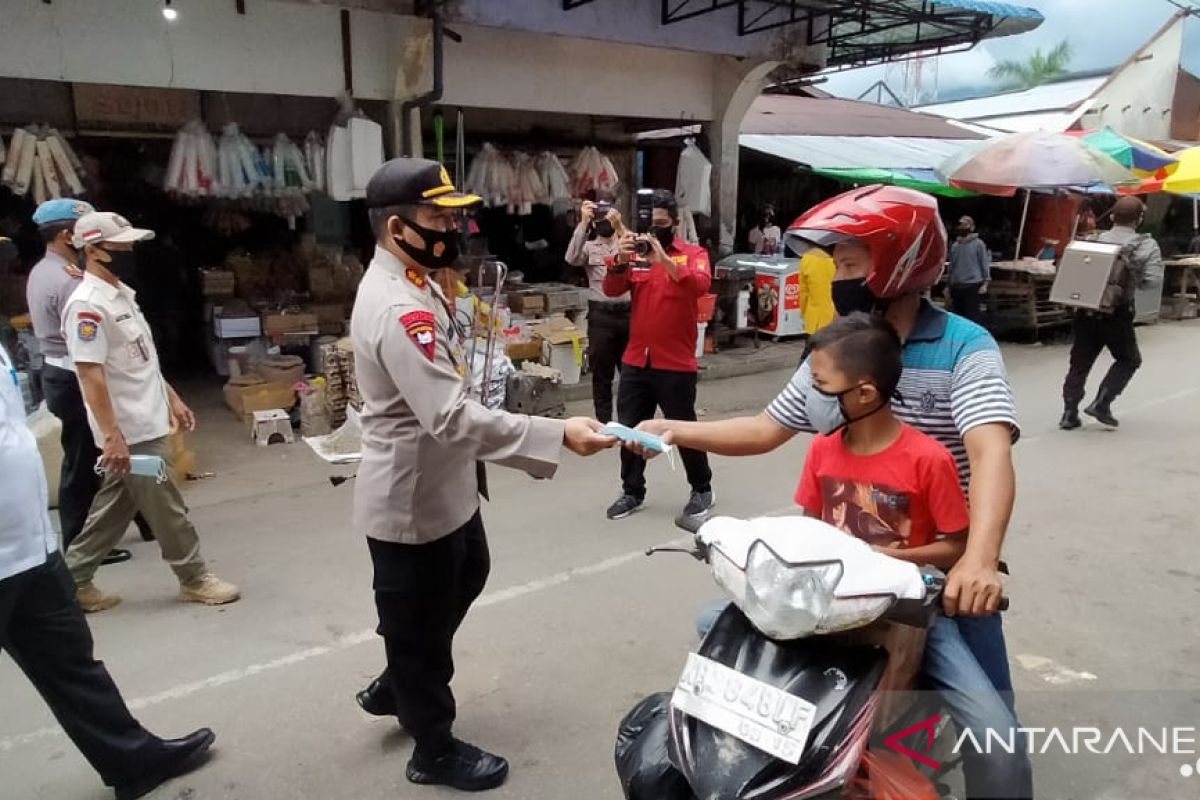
(269, 424)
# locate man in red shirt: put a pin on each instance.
(659, 365)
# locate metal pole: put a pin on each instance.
(490, 347)
(1021, 230)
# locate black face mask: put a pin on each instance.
(430, 256)
(603, 229)
(852, 294)
(665, 236)
(122, 264)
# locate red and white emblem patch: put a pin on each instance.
(419, 325)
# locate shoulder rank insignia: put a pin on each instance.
(415, 278)
(419, 327)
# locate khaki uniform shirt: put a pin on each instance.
(422, 435)
(103, 325)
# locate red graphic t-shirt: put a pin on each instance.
(907, 493)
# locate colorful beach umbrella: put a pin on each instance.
(1143, 159)
(1186, 177)
(1037, 160)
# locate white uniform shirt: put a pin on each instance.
(103, 325)
(26, 537)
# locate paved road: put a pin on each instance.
(577, 625)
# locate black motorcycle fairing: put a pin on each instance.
(839, 679)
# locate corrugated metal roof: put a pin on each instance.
(885, 152)
(831, 116)
(1059, 96)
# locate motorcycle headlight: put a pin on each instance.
(792, 601)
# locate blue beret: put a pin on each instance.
(66, 209)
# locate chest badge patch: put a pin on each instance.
(419, 327)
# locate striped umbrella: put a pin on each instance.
(1143, 159)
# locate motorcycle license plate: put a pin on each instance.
(774, 721)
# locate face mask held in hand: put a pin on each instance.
(440, 250)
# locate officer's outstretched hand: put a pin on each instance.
(583, 437)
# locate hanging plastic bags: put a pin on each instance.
(39, 161)
(592, 171)
(555, 179)
(314, 158)
(692, 180)
(192, 170)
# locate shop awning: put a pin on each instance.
(855, 152)
(921, 179)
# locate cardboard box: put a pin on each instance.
(527, 302)
(290, 322)
(564, 347)
(528, 350)
(249, 393)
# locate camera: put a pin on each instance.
(602, 209)
(643, 213)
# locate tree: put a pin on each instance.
(1037, 69)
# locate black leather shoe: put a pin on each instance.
(1101, 410)
(116, 556)
(377, 700)
(463, 767)
(1070, 420)
(173, 757)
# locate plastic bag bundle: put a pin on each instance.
(491, 177)
(40, 162)
(289, 165)
(314, 159)
(192, 170)
(242, 168)
(554, 177)
(527, 186)
(592, 171)
(643, 756)
(497, 381)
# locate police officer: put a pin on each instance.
(416, 496)
(51, 282)
(132, 410)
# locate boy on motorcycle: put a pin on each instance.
(889, 245)
(869, 474)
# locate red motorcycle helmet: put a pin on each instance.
(900, 227)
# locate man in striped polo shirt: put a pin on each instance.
(889, 246)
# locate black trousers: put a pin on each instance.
(1092, 333)
(967, 301)
(640, 393)
(608, 336)
(422, 594)
(43, 630)
(79, 482)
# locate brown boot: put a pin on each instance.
(209, 590)
(92, 599)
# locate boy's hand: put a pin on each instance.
(658, 427)
(972, 589)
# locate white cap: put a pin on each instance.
(105, 226)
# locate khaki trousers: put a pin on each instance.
(113, 509)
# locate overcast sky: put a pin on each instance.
(1102, 33)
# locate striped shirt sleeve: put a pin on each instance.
(980, 393)
(788, 408)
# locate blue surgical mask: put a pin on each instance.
(825, 410)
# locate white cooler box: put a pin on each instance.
(778, 286)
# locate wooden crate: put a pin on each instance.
(1019, 303)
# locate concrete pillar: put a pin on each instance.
(736, 83)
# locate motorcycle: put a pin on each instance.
(790, 690)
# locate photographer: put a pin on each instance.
(597, 238)
(666, 276)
